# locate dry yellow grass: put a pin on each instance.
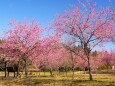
(80, 79)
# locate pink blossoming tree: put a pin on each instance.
(25, 38)
(89, 25)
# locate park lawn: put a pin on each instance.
(59, 80)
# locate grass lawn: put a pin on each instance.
(80, 79)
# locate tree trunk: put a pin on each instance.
(57, 71)
(84, 70)
(14, 73)
(66, 71)
(87, 52)
(63, 71)
(72, 65)
(5, 69)
(73, 74)
(44, 72)
(8, 74)
(107, 68)
(18, 68)
(51, 71)
(26, 72)
(37, 73)
(89, 68)
(96, 71)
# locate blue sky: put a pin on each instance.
(42, 10)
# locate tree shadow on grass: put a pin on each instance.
(38, 82)
(93, 83)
